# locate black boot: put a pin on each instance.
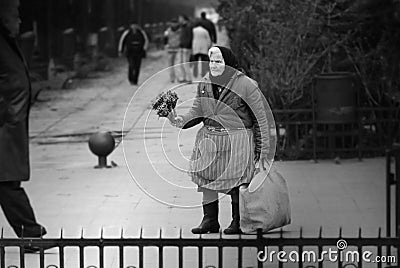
(210, 223)
(234, 227)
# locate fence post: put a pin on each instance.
(392, 178)
(314, 127)
(397, 185)
(389, 179)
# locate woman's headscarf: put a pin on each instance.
(231, 65)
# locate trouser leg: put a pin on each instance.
(130, 69)
(181, 65)
(204, 64)
(172, 57)
(18, 210)
(188, 71)
(136, 69)
(196, 65)
(185, 64)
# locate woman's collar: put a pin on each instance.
(237, 73)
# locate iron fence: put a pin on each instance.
(393, 191)
(301, 136)
(299, 251)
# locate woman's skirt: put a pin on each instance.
(222, 160)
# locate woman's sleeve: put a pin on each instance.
(195, 114)
(255, 102)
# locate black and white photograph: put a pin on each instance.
(199, 133)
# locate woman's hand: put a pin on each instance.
(171, 117)
(176, 121)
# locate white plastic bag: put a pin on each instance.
(264, 203)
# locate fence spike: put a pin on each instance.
(259, 233)
(101, 232)
(2, 232)
(180, 233)
(359, 232)
(122, 232)
(320, 232)
(281, 232)
(82, 233)
(301, 232)
(41, 232)
(340, 232)
(22, 232)
(379, 232)
(141, 232)
(61, 233)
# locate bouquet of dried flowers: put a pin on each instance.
(165, 103)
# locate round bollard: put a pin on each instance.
(102, 144)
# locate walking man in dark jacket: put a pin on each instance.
(209, 26)
(15, 93)
(133, 43)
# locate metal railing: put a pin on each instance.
(393, 191)
(308, 250)
(300, 136)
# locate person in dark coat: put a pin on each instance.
(133, 43)
(15, 93)
(209, 26)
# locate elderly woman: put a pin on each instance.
(234, 136)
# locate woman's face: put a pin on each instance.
(217, 63)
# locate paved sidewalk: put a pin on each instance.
(146, 190)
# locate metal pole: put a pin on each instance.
(397, 185)
(388, 194)
(313, 122)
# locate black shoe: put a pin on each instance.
(234, 228)
(206, 226)
(210, 223)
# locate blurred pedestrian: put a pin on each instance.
(133, 43)
(185, 48)
(200, 45)
(15, 94)
(233, 138)
(172, 42)
(209, 25)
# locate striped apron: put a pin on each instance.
(222, 160)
